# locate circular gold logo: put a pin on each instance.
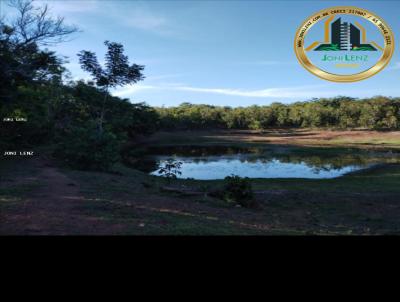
(344, 44)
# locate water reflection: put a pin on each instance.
(217, 162)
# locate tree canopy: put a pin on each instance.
(90, 128)
(340, 112)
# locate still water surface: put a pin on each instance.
(217, 162)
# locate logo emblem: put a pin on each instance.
(344, 44)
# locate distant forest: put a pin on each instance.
(340, 112)
(89, 128)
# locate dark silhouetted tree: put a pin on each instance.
(117, 71)
(28, 73)
(35, 25)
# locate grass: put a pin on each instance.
(130, 202)
(365, 202)
(151, 222)
(17, 181)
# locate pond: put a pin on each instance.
(217, 162)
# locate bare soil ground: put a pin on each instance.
(300, 137)
(57, 207)
(48, 209)
(37, 197)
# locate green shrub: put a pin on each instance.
(85, 148)
(170, 169)
(238, 190)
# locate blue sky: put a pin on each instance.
(230, 53)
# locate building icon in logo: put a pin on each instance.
(344, 36)
(339, 44)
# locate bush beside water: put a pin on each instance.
(237, 190)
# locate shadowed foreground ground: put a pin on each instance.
(38, 197)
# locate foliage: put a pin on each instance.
(170, 169)
(117, 71)
(81, 102)
(34, 86)
(239, 190)
(28, 74)
(85, 148)
(34, 25)
(340, 112)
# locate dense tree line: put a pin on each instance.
(89, 128)
(340, 112)
(40, 105)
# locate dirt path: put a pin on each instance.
(50, 208)
(117, 204)
(57, 207)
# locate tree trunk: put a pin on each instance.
(101, 119)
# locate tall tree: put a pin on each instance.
(35, 25)
(116, 72)
(21, 58)
(27, 72)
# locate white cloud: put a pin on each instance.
(290, 92)
(298, 92)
